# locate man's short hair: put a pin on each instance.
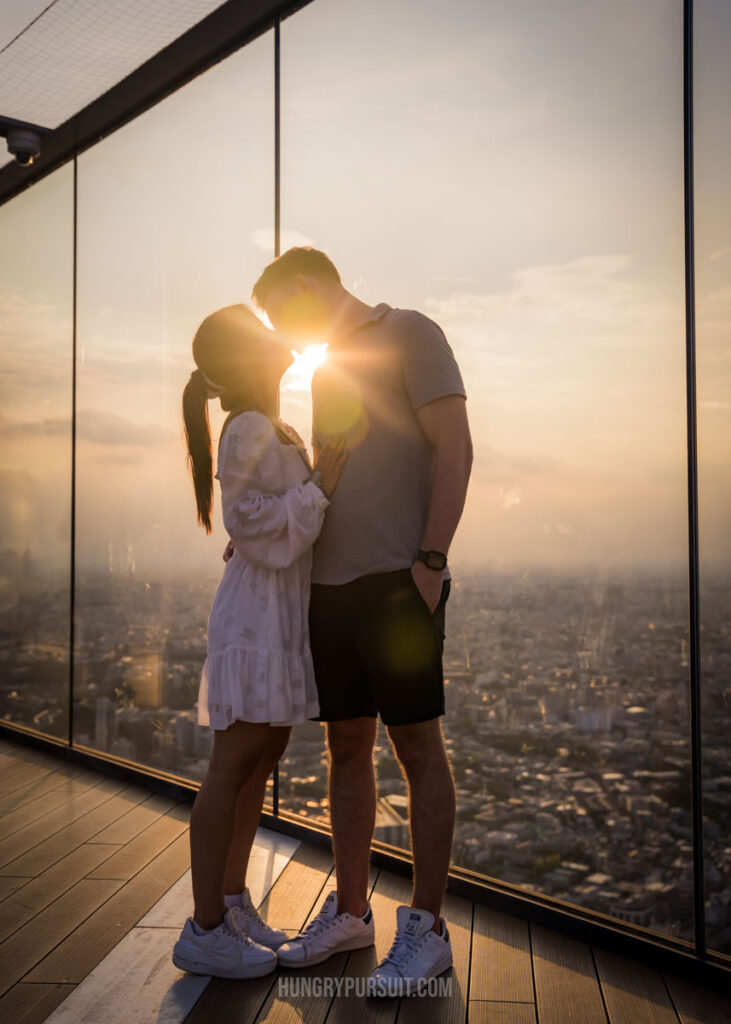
(301, 259)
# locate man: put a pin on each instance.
(392, 388)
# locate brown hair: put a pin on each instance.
(215, 340)
(298, 260)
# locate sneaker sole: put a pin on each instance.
(322, 957)
(197, 967)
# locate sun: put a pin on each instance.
(299, 376)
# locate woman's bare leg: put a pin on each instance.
(237, 751)
(248, 810)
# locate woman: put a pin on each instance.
(257, 678)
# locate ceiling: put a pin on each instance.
(83, 67)
(57, 57)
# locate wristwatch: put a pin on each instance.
(433, 559)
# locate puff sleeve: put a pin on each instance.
(270, 525)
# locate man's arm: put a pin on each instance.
(444, 421)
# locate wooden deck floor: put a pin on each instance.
(84, 857)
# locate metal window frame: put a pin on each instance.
(217, 36)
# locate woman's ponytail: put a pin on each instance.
(198, 438)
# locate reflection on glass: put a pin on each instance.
(36, 339)
(713, 314)
(488, 165)
(174, 222)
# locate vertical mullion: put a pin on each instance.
(277, 146)
(696, 763)
(277, 232)
(72, 564)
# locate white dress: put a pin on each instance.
(258, 665)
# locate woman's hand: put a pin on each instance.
(333, 456)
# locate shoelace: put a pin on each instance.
(249, 910)
(401, 951)
(237, 933)
(316, 926)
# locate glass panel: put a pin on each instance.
(515, 172)
(175, 221)
(713, 310)
(36, 337)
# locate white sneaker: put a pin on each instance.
(249, 920)
(417, 953)
(223, 952)
(328, 933)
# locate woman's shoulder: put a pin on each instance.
(248, 423)
(247, 432)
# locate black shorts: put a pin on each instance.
(377, 648)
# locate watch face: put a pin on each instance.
(435, 560)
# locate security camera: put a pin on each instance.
(24, 139)
(24, 144)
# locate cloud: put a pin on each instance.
(111, 428)
(509, 496)
(593, 301)
(717, 254)
(56, 426)
(93, 425)
(714, 406)
(528, 463)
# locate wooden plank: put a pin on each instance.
(450, 1008)
(78, 954)
(501, 960)
(288, 905)
(492, 1012)
(52, 799)
(153, 838)
(9, 884)
(138, 818)
(389, 892)
(38, 893)
(29, 944)
(17, 748)
(697, 1005)
(633, 991)
(31, 1004)
(27, 755)
(72, 808)
(11, 801)
(287, 1003)
(567, 989)
(21, 774)
(50, 849)
(135, 983)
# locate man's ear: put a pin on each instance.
(302, 283)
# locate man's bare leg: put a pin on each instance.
(420, 750)
(352, 808)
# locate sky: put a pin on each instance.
(514, 171)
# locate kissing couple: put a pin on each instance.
(331, 606)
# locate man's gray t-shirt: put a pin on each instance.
(368, 390)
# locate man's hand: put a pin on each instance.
(429, 582)
(228, 551)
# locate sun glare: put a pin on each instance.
(299, 376)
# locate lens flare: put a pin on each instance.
(299, 376)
